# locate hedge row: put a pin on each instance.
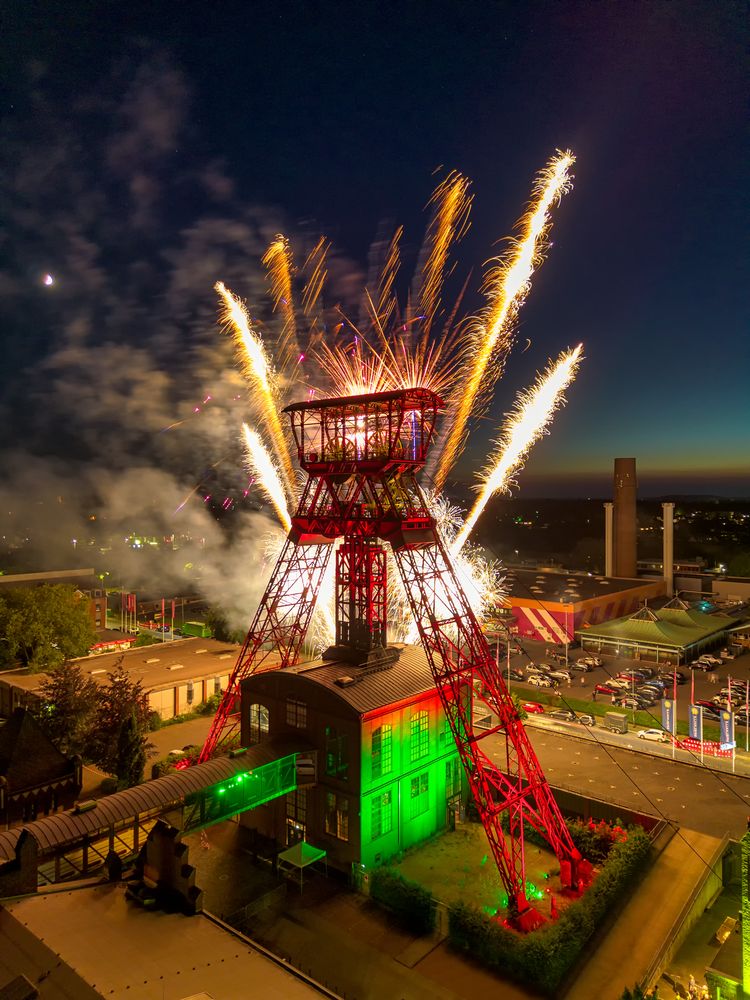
(411, 904)
(543, 959)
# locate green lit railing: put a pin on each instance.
(245, 790)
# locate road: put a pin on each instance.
(627, 772)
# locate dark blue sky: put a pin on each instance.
(336, 115)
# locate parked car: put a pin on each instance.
(517, 675)
(589, 661)
(657, 735)
(714, 661)
(631, 676)
(554, 655)
(532, 707)
(568, 715)
(668, 676)
(651, 692)
(703, 665)
(563, 714)
(561, 675)
(607, 688)
(704, 703)
(584, 668)
(540, 681)
(538, 668)
(620, 682)
(635, 701)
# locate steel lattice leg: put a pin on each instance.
(458, 652)
(279, 627)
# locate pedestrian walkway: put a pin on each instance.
(629, 953)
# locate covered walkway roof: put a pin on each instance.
(63, 829)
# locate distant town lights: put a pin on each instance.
(48, 280)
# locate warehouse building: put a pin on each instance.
(552, 606)
(177, 675)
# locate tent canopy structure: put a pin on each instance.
(676, 628)
(294, 860)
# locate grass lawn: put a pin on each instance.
(458, 866)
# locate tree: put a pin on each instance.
(638, 993)
(68, 708)
(739, 564)
(217, 622)
(46, 625)
(120, 699)
(131, 753)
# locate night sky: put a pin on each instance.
(150, 149)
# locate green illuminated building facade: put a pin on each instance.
(379, 769)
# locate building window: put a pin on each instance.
(296, 713)
(382, 750)
(382, 815)
(452, 779)
(337, 815)
(419, 729)
(258, 723)
(296, 816)
(337, 758)
(419, 801)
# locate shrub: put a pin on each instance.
(544, 958)
(410, 903)
(154, 721)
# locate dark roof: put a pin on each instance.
(27, 756)
(566, 588)
(56, 831)
(416, 395)
(409, 677)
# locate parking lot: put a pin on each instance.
(707, 685)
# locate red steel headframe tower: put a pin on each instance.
(362, 455)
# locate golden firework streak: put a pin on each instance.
(280, 265)
(449, 224)
(527, 422)
(262, 467)
(256, 368)
(507, 285)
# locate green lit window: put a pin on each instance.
(419, 730)
(452, 780)
(419, 801)
(337, 757)
(258, 724)
(296, 713)
(382, 815)
(337, 815)
(382, 750)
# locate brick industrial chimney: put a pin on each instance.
(667, 518)
(625, 489)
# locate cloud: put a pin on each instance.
(121, 401)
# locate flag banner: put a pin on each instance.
(695, 722)
(667, 714)
(726, 726)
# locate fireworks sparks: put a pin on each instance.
(280, 264)
(267, 476)
(450, 222)
(507, 285)
(529, 419)
(397, 349)
(257, 369)
(315, 266)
